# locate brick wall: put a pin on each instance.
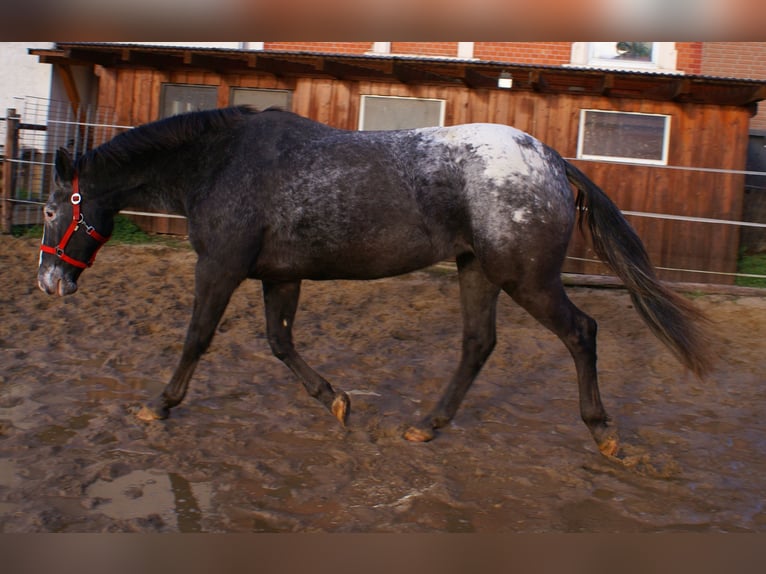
(737, 60)
(547, 53)
(689, 57)
(329, 47)
(552, 53)
(442, 49)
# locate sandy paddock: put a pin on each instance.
(249, 450)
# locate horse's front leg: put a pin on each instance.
(281, 301)
(213, 289)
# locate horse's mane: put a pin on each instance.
(166, 134)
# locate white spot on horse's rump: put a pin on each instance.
(504, 151)
(520, 215)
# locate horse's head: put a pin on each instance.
(75, 228)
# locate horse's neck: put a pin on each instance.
(146, 190)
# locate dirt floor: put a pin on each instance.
(250, 451)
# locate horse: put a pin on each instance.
(273, 196)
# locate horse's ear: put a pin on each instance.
(64, 166)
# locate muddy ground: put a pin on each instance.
(250, 451)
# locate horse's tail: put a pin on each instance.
(673, 319)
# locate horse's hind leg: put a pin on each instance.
(281, 300)
(478, 298)
(548, 303)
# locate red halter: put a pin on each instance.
(77, 221)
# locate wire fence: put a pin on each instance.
(45, 125)
(41, 126)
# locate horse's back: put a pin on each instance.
(387, 202)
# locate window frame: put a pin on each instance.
(623, 159)
(594, 60)
(664, 59)
(363, 108)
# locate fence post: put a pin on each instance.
(11, 149)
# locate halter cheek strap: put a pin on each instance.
(77, 221)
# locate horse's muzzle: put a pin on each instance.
(53, 283)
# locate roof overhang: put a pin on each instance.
(474, 74)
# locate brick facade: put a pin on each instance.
(737, 60)
(439, 49)
(546, 53)
(689, 57)
(330, 47)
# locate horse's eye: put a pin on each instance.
(49, 213)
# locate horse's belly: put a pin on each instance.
(363, 259)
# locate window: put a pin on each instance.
(624, 136)
(393, 113)
(182, 98)
(619, 53)
(626, 55)
(261, 99)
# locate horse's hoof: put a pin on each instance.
(149, 414)
(419, 434)
(341, 407)
(609, 447)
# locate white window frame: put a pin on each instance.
(381, 48)
(620, 159)
(365, 97)
(664, 58)
(465, 50)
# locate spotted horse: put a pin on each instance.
(273, 196)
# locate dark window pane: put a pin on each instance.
(182, 98)
(261, 99)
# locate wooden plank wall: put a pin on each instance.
(701, 136)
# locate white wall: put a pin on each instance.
(21, 74)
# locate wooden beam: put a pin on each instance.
(283, 66)
(607, 83)
(9, 169)
(360, 69)
(681, 89)
(475, 79)
(70, 86)
(411, 73)
(537, 81)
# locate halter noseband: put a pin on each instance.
(77, 221)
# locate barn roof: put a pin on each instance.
(475, 74)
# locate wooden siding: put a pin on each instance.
(705, 136)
